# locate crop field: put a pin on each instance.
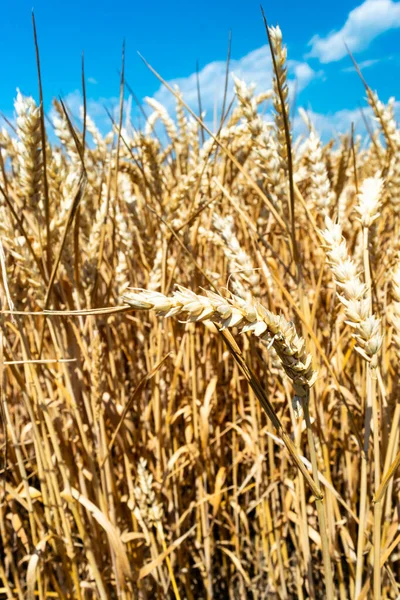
(199, 352)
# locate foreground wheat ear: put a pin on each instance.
(278, 333)
(236, 312)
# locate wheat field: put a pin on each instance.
(200, 353)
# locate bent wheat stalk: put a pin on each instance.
(279, 334)
(235, 312)
(357, 300)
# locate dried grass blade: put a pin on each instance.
(113, 535)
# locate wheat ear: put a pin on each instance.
(235, 312)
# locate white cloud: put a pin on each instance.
(364, 64)
(92, 80)
(303, 73)
(331, 125)
(96, 109)
(255, 67)
(365, 23)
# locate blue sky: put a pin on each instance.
(172, 36)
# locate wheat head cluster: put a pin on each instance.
(199, 353)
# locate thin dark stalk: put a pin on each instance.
(228, 62)
(84, 107)
(44, 158)
(199, 99)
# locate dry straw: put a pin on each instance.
(151, 457)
